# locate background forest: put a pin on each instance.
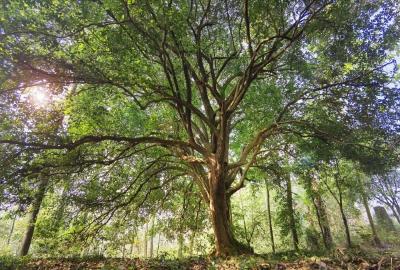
(187, 128)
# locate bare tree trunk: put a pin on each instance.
(397, 207)
(158, 243)
(180, 245)
(225, 242)
(342, 213)
(131, 250)
(191, 244)
(246, 234)
(193, 236)
(271, 231)
(145, 240)
(61, 208)
(346, 225)
(383, 219)
(292, 220)
(323, 221)
(12, 229)
(321, 213)
(138, 246)
(395, 215)
(151, 238)
(376, 239)
(37, 201)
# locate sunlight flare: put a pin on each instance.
(38, 96)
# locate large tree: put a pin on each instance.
(208, 86)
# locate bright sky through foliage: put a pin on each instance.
(38, 96)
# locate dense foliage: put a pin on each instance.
(144, 127)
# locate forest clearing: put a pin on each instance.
(200, 134)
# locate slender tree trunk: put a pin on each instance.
(395, 215)
(158, 243)
(138, 246)
(182, 224)
(397, 207)
(271, 231)
(193, 235)
(346, 225)
(191, 244)
(145, 240)
(376, 239)
(180, 245)
(292, 220)
(61, 208)
(320, 211)
(323, 221)
(246, 234)
(340, 203)
(37, 201)
(151, 238)
(131, 250)
(11, 230)
(344, 218)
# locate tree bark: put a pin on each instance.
(191, 243)
(12, 229)
(145, 240)
(346, 225)
(383, 219)
(292, 220)
(397, 207)
(395, 215)
(180, 245)
(37, 201)
(271, 231)
(158, 243)
(320, 210)
(344, 219)
(131, 250)
(193, 235)
(323, 221)
(376, 239)
(225, 242)
(151, 239)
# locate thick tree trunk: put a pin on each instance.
(383, 219)
(271, 231)
(37, 201)
(225, 242)
(292, 220)
(376, 239)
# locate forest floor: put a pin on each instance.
(339, 259)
